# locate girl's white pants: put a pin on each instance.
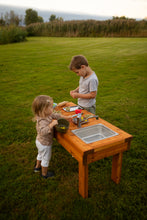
(44, 154)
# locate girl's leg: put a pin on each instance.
(38, 164)
(46, 174)
(46, 156)
(37, 167)
(43, 158)
(44, 171)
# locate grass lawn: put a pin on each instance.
(40, 66)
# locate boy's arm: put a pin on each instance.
(90, 95)
(75, 90)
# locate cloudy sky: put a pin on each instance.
(128, 8)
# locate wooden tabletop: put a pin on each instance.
(76, 146)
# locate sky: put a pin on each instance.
(128, 8)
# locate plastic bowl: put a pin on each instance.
(62, 125)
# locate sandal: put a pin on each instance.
(36, 170)
(49, 174)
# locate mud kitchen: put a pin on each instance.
(91, 138)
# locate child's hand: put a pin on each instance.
(74, 94)
(53, 123)
(71, 92)
(69, 118)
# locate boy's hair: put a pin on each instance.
(40, 103)
(77, 61)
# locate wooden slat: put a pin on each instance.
(106, 153)
(74, 151)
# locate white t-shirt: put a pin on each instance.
(87, 85)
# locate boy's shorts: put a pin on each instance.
(44, 154)
(91, 109)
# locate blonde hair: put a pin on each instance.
(40, 104)
(77, 61)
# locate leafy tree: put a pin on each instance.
(14, 19)
(122, 17)
(10, 18)
(32, 17)
(52, 18)
(2, 21)
(40, 19)
(59, 19)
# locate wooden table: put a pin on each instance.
(88, 153)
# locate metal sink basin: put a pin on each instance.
(94, 133)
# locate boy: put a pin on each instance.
(88, 83)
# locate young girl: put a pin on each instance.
(42, 107)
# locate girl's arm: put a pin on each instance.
(53, 123)
(67, 117)
(57, 116)
(44, 127)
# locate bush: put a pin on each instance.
(12, 34)
(89, 28)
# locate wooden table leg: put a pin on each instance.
(83, 180)
(116, 167)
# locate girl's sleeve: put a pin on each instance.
(56, 116)
(43, 127)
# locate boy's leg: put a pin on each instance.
(91, 109)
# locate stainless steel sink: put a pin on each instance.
(94, 133)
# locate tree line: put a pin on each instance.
(31, 16)
(90, 28)
(11, 29)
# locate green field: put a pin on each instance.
(40, 66)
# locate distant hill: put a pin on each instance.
(46, 13)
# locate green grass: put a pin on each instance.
(40, 66)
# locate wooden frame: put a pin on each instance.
(88, 153)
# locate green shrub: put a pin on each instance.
(12, 34)
(89, 28)
(36, 29)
